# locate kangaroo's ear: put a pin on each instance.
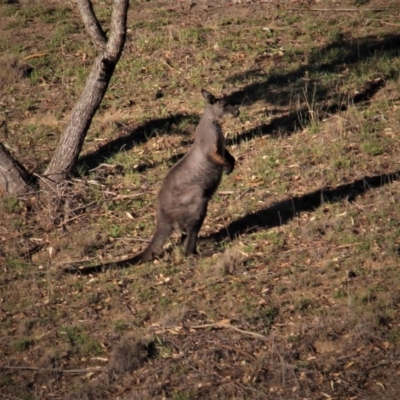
(208, 96)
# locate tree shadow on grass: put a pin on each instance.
(279, 88)
(135, 137)
(342, 55)
(287, 124)
(282, 212)
(307, 84)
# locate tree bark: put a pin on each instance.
(71, 142)
(92, 24)
(14, 179)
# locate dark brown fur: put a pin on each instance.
(191, 182)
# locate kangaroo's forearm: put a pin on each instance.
(230, 160)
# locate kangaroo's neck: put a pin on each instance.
(208, 127)
(209, 116)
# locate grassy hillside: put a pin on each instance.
(300, 297)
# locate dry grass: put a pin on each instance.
(296, 294)
(13, 70)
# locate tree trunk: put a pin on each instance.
(71, 142)
(14, 179)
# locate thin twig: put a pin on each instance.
(339, 9)
(133, 239)
(352, 385)
(257, 335)
(244, 387)
(37, 55)
(76, 216)
(111, 166)
(384, 22)
(69, 220)
(7, 396)
(382, 363)
(43, 179)
(61, 371)
(83, 207)
(245, 353)
(91, 182)
(130, 309)
(345, 246)
(221, 325)
(13, 237)
(76, 262)
(244, 193)
(124, 196)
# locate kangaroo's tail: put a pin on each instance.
(119, 263)
(163, 230)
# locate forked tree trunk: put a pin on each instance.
(70, 144)
(13, 177)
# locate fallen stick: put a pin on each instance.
(61, 371)
(219, 324)
(37, 55)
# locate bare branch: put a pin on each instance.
(92, 24)
(118, 29)
(219, 324)
(53, 370)
(338, 9)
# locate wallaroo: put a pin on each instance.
(192, 181)
(190, 184)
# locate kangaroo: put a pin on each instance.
(189, 184)
(192, 181)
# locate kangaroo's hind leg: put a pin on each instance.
(192, 232)
(191, 241)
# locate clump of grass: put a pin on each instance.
(11, 204)
(230, 262)
(22, 344)
(183, 395)
(81, 342)
(131, 353)
(13, 69)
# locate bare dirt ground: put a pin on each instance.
(300, 299)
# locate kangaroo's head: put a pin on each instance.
(219, 106)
